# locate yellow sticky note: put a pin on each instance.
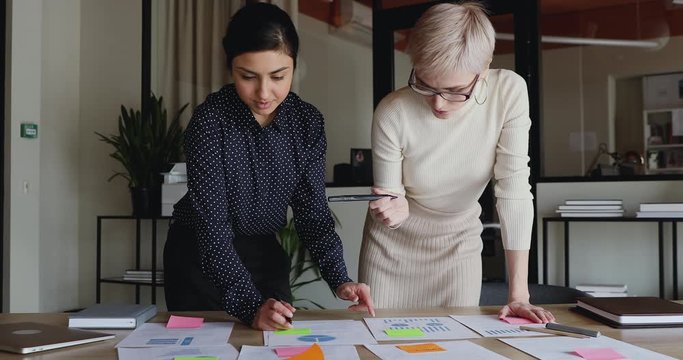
(293, 331)
(410, 332)
(421, 348)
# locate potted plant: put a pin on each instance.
(145, 147)
(301, 262)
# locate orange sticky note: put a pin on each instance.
(421, 348)
(314, 352)
(184, 322)
(516, 320)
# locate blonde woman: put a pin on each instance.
(436, 144)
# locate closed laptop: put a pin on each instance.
(30, 337)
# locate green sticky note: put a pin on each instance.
(195, 358)
(410, 332)
(293, 331)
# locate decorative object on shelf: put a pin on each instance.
(145, 148)
(301, 262)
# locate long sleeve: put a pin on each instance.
(387, 155)
(511, 169)
(207, 190)
(312, 216)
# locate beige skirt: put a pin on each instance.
(432, 260)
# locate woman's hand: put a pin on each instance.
(358, 293)
(525, 310)
(273, 315)
(391, 212)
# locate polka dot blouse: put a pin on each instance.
(242, 178)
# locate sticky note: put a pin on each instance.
(599, 354)
(421, 348)
(516, 320)
(293, 331)
(410, 332)
(290, 351)
(314, 352)
(184, 322)
(195, 358)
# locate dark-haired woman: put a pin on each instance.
(253, 149)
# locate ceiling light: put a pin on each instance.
(589, 41)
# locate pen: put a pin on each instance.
(550, 331)
(368, 197)
(572, 329)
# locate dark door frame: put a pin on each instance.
(527, 64)
(3, 51)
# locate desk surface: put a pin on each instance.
(666, 340)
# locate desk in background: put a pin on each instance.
(665, 340)
(660, 236)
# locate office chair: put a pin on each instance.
(496, 293)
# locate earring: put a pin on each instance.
(486, 92)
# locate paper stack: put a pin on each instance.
(660, 210)
(591, 208)
(173, 188)
(604, 290)
(143, 275)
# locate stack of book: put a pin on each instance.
(604, 290)
(664, 210)
(143, 275)
(591, 208)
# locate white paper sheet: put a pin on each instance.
(341, 352)
(434, 328)
(562, 347)
(324, 332)
(157, 335)
(491, 326)
(454, 350)
(225, 352)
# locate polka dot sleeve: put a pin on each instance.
(207, 191)
(312, 216)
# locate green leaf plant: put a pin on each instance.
(145, 147)
(302, 263)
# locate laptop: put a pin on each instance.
(30, 337)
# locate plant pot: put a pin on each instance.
(146, 201)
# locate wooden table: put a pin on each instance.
(667, 341)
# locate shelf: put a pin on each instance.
(664, 146)
(119, 280)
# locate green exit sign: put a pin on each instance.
(29, 131)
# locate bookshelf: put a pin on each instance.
(154, 283)
(661, 221)
(663, 140)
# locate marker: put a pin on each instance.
(550, 331)
(572, 329)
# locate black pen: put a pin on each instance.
(572, 329)
(363, 197)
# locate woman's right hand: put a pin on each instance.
(272, 315)
(391, 212)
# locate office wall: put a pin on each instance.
(59, 155)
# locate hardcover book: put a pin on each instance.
(112, 316)
(637, 310)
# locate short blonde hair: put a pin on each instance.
(450, 37)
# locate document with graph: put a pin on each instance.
(323, 332)
(491, 326)
(418, 328)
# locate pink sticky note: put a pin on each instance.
(599, 354)
(290, 351)
(517, 320)
(184, 322)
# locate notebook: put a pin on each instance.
(112, 316)
(30, 337)
(633, 311)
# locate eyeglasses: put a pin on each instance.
(446, 95)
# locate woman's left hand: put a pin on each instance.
(522, 309)
(357, 292)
